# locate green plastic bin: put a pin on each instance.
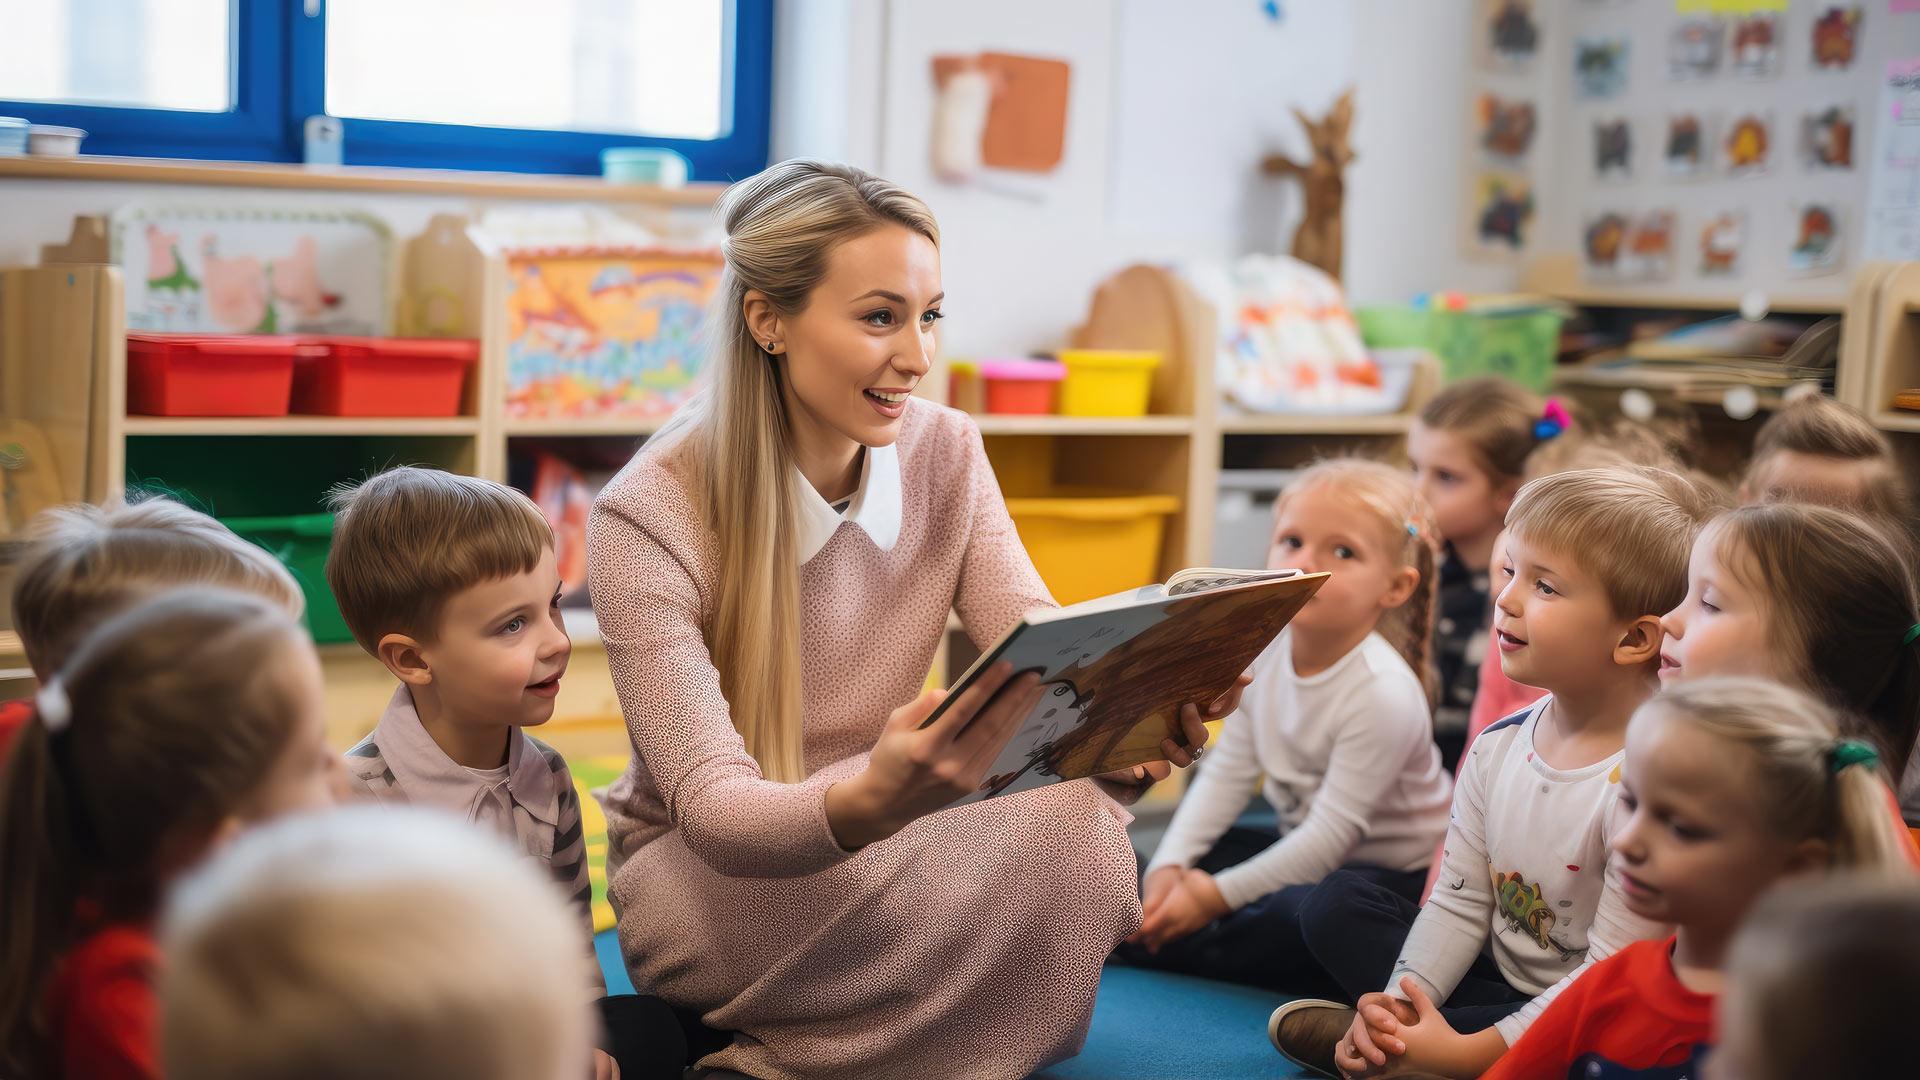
(1518, 343)
(300, 542)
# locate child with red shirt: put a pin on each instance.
(172, 727)
(1729, 785)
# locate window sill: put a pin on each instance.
(354, 178)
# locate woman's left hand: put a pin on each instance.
(1126, 785)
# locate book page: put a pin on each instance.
(1201, 578)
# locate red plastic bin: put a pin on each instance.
(201, 375)
(364, 376)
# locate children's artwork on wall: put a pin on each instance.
(1511, 31)
(1613, 148)
(1721, 241)
(1506, 127)
(1816, 239)
(1001, 111)
(605, 332)
(1826, 138)
(1836, 36)
(1893, 181)
(253, 271)
(1600, 67)
(1503, 212)
(1755, 45)
(1617, 247)
(1687, 149)
(1748, 144)
(1693, 49)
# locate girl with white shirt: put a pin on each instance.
(1336, 733)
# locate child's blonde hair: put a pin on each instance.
(407, 539)
(1406, 535)
(84, 563)
(1811, 783)
(1631, 527)
(1840, 598)
(372, 942)
(1819, 980)
(783, 225)
(161, 726)
(1498, 418)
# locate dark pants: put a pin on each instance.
(1354, 929)
(652, 1040)
(1260, 944)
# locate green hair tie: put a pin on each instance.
(1913, 632)
(1847, 752)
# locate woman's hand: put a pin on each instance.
(1194, 902)
(1127, 785)
(914, 771)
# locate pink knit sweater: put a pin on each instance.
(967, 945)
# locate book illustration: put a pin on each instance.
(1118, 672)
(605, 332)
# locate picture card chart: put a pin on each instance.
(1721, 147)
(1506, 156)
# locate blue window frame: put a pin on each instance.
(279, 53)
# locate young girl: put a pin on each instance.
(1729, 785)
(1820, 982)
(172, 727)
(1814, 596)
(1469, 450)
(1334, 729)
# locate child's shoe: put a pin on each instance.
(1307, 1031)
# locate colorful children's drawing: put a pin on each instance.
(1816, 239)
(271, 271)
(1506, 127)
(1720, 244)
(1756, 45)
(1604, 239)
(1826, 138)
(1836, 36)
(1613, 148)
(1512, 30)
(1748, 144)
(597, 332)
(1503, 214)
(1600, 67)
(1650, 245)
(1619, 247)
(1686, 150)
(1693, 51)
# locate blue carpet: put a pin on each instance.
(1147, 1025)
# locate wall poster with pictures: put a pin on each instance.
(1504, 161)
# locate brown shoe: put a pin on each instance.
(1307, 1031)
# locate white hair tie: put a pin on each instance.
(53, 707)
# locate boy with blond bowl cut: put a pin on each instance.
(1593, 558)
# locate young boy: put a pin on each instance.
(84, 564)
(450, 581)
(1594, 557)
(373, 943)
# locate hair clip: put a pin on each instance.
(1913, 634)
(1847, 752)
(53, 707)
(1413, 530)
(1553, 421)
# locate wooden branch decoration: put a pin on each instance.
(1323, 184)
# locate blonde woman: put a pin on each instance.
(772, 574)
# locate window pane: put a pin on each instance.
(156, 54)
(651, 67)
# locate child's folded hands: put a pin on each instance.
(1176, 906)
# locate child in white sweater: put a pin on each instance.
(1335, 732)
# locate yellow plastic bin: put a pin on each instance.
(965, 391)
(1107, 382)
(1088, 543)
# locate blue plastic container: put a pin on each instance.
(13, 136)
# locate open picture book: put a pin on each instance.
(1116, 671)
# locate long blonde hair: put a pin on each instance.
(1810, 782)
(1406, 535)
(782, 225)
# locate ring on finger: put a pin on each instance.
(1197, 751)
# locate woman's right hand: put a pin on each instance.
(914, 771)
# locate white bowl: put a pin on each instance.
(45, 140)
